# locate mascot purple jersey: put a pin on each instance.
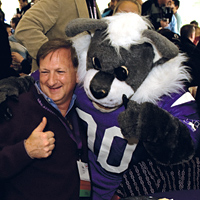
(109, 153)
(183, 106)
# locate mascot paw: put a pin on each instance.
(128, 120)
(164, 137)
(10, 88)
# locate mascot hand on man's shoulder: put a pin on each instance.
(11, 88)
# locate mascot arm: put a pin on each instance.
(11, 88)
(165, 137)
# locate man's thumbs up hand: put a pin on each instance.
(40, 144)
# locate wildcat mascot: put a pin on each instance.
(132, 98)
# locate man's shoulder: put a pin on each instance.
(25, 98)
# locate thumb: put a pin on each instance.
(42, 125)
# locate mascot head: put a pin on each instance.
(120, 56)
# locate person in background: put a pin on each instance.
(5, 54)
(23, 7)
(109, 11)
(47, 20)
(197, 31)
(175, 6)
(187, 38)
(21, 60)
(13, 22)
(176, 39)
(2, 14)
(185, 45)
(128, 6)
(158, 13)
(195, 23)
(187, 34)
(14, 57)
(21, 64)
(41, 144)
(172, 26)
(8, 29)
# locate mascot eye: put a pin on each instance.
(121, 73)
(96, 63)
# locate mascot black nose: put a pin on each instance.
(100, 84)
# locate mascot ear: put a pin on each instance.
(80, 25)
(163, 47)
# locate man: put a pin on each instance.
(128, 6)
(23, 7)
(158, 13)
(41, 144)
(109, 11)
(187, 38)
(175, 7)
(5, 54)
(197, 31)
(47, 20)
(172, 26)
(187, 34)
(2, 14)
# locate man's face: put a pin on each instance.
(58, 76)
(113, 4)
(165, 3)
(22, 4)
(128, 6)
(173, 7)
(12, 25)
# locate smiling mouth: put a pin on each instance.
(104, 108)
(54, 88)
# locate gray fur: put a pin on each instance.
(167, 49)
(80, 25)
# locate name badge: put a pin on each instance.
(85, 186)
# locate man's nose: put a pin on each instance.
(52, 79)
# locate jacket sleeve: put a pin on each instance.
(36, 22)
(13, 155)
(13, 159)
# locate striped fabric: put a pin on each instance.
(148, 177)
